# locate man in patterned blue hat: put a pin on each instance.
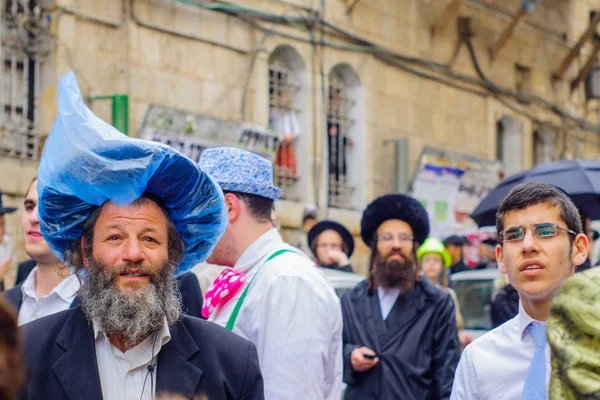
(272, 294)
(128, 215)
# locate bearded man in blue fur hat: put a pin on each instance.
(127, 216)
(400, 335)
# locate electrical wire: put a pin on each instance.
(255, 52)
(559, 38)
(362, 45)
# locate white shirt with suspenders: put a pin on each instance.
(293, 316)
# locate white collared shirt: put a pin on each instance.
(495, 365)
(125, 376)
(294, 318)
(59, 299)
(387, 298)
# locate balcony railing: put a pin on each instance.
(340, 192)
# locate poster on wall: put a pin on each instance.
(450, 185)
(191, 133)
(437, 188)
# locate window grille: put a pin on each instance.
(26, 42)
(339, 123)
(283, 119)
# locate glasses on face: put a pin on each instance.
(539, 231)
(388, 237)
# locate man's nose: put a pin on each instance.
(33, 217)
(530, 242)
(133, 251)
(396, 242)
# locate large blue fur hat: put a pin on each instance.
(394, 206)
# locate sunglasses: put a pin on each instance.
(538, 230)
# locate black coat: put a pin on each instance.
(459, 267)
(417, 344)
(505, 305)
(191, 295)
(201, 358)
(23, 270)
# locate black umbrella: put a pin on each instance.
(580, 179)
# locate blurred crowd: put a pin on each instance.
(152, 276)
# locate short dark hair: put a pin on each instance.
(307, 217)
(259, 207)
(75, 255)
(532, 193)
(35, 178)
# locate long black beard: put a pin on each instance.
(131, 316)
(397, 273)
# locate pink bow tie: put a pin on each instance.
(227, 284)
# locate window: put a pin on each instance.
(543, 146)
(286, 93)
(499, 141)
(522, 78)
(345, 164)
(508, 144)
(474, 297)
(26, 42)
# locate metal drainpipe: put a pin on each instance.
(120, 110)
(400, 164)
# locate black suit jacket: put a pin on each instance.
(201, 358)
(23, 270)
(417, 344)
(14, 296)
(191, 296)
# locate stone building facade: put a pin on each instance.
(345, 78)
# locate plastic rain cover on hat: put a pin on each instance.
(87, 162)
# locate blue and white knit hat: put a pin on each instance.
(238, 170)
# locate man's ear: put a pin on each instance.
(580, 249)
(500, 259)
(233, 205)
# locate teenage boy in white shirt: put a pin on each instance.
(540, 243)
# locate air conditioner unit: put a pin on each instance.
(592, 83)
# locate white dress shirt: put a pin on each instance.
(387, 298)
(293, 316)
(125, 376)
(59, 299)
(495, 365)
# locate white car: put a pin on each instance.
(474, 291)
(341, 281)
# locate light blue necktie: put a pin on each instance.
(535, 383)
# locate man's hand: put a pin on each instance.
(336, 257)
(4, 264)
(359, 362)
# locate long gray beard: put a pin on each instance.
(131, 316)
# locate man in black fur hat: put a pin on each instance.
(400, 335)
